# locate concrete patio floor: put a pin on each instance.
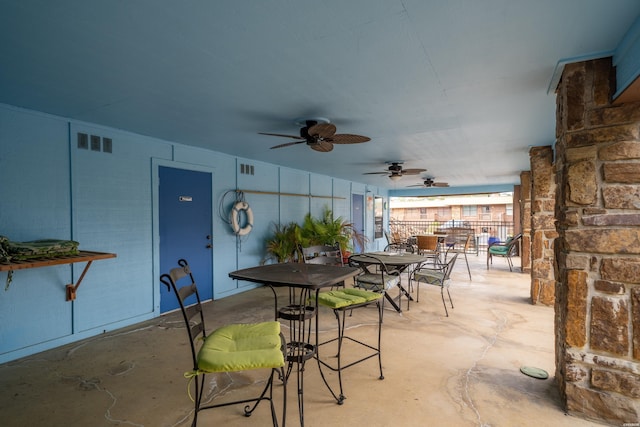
(461, 370)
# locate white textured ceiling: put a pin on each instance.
(458, 87)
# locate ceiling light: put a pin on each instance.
(395, 177)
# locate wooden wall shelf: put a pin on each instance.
(82, 256)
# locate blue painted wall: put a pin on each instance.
(108, 202)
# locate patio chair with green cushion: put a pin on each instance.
(230, 348)
(340, 301)
(503, 249)
(436, 276)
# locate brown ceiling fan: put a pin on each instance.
(395, 171)
(320, 135)
(430, 183)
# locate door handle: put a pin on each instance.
(209, 246)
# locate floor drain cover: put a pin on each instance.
(534, 372)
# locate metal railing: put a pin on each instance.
(483, 231)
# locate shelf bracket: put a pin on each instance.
(72, 289)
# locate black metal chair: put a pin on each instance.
(340, 301)
(505, 249)
(380, 281)
(230, 348)
(436, 276)
(322, 254)
(462, 250)
(397, 245)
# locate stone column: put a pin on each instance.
(598, 248)
(525, 219)
(543, 225)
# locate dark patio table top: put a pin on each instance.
(310, 276)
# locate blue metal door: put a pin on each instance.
(185, 218)
(357, 217)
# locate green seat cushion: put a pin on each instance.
(241, 347)
(375, 281)
(367, 295)
(346, 297)
(498, 250)
(431, 277)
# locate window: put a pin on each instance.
(423, 213)
(444, 213)
(471, 210)
(510, 209)
(486, 209)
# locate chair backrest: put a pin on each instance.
(322, 254)
(192, 314)
(449, 266)
(513, 242)
(467, 243)
(428, 243)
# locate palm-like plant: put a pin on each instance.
(284, 241)
(328, 230)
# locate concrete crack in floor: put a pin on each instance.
(500, 326)
(94, 384)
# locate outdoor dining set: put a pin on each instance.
(283, 345)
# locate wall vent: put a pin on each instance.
(83, 141)
(94, 142)
(246, 169)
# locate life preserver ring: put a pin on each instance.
(235, 218)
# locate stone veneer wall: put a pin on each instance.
(598, 249)
(543, 225)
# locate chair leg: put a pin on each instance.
(380, 313)
(510, 263)
(443, 302)
(340, 317)
(450, 300)
(467, 261)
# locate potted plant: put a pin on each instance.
(328, 230)
(283, 244)
(286, 240)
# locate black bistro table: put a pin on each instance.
(304, 281)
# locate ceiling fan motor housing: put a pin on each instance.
(395, 168)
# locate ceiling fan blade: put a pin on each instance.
(412, 171)
(322, 146)
(288, 144)
(440, 184)
(375, 173)
(282, 135)
(416, 185)
(322, 130)
(347, 138)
